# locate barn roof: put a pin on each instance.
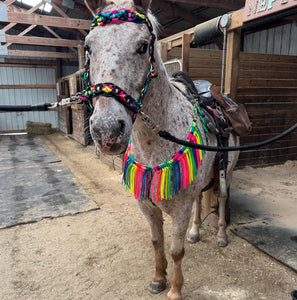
(68, 21)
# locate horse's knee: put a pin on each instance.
(177, 256)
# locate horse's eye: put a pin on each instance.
(143, 48)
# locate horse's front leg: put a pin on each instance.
(177, 250)
(155, 219)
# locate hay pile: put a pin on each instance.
(37, 128)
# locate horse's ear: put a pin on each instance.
(94, 6)
(142, 5)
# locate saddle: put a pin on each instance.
(221, 115)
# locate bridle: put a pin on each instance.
(108, 89)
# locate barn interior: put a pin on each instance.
(253, 60)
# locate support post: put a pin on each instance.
(232, 63)
(186, 40)
(81, 56)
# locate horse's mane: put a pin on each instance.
(155, 23)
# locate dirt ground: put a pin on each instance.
(107, 254)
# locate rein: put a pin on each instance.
(109, 89)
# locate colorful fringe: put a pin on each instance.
(165, 180)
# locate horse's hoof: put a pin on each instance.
(222, 242)
(157, 287)
(193, 238)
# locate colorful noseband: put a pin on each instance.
(109, 89)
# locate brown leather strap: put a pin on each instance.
(216, 93)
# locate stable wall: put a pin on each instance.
(267, 86)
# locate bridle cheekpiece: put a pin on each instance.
(109, 89)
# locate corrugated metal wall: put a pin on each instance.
(16, 121)
(278, 40)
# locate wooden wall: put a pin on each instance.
(203, 64)
(267, 86)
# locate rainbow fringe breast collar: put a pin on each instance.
(165, 180)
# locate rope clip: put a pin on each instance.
(149, 122)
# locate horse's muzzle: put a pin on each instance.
(109, 133)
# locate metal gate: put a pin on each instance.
(26, 86)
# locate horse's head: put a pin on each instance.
(119, 54)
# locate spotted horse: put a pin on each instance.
(126, 75)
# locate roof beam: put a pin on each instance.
(48, 21)
(228, 5)
(12, 9)
(77, 7)
(30, 40)
(41, 54)
(176, 10)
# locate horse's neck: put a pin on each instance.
(168, 108)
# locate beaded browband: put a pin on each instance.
(109, 89)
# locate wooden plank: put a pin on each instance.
(203, 73)
(175, 40)
(236, 20)
(25, 66)
(267, 74)
(174, 53)
(41, 54)
(29, 40)
(261, 99)
(262, 153)
(272, 66)
(271, 109)
(232, 63)
(205, 63)
(28, 62)
(48, 21)
(260, 161)
(81, 55)
(27, 86)
(290, 140)
(31, 10)
(207, 54)
(270, 91)
(267, 57)
(186, 40)
(267, 83)
(72, 85)
(196, 54)
(57, 36)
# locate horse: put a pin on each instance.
(122, 66)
